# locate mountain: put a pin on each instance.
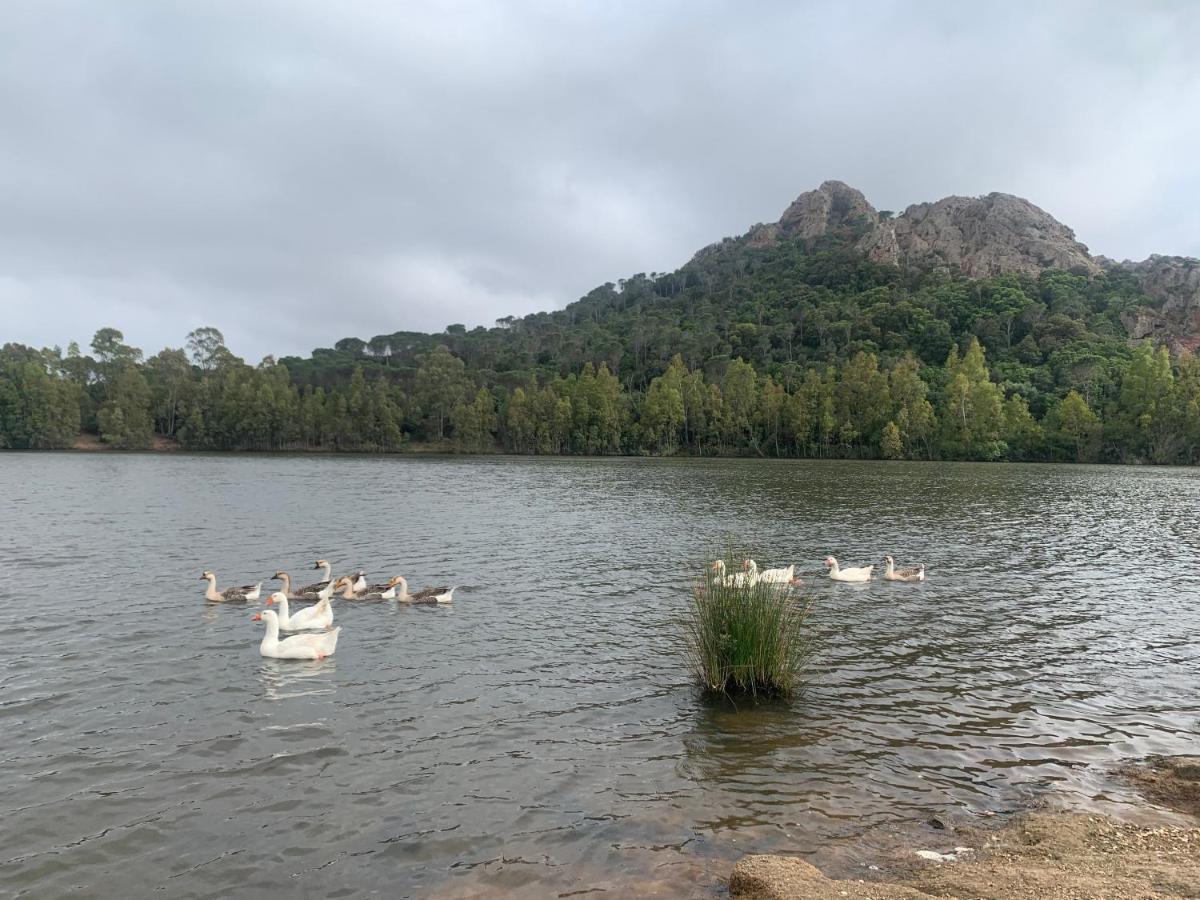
(981, 237)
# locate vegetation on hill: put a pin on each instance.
(800, 348)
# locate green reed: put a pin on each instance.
(750, 640)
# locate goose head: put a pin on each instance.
(279, 576)
(267, 615)
(344, 581)
(830, 561)
(321, 564)
(277, 597)
(392, 582)
(889, 560)
(208, 576)
(718, 566)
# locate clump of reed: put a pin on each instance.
(747, 639)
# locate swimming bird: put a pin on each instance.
(425, 595)
(326, 578)
(839, 574)
(891, 573)
(298, 646)
(346, 583)
(287, 588)
(771, 576)
(360, 583)
(245, 592)
(319, 615)
(737, 579)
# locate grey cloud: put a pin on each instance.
(298, 172)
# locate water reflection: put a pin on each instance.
(288, 679)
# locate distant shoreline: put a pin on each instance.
(90, 443)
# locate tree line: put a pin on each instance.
(207, 399)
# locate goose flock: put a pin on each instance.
(750, 574)
(321, 638)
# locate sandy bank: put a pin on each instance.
(1043, 854)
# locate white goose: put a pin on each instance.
(840, 574)
(360, 582)
(245, 592)
(298, 646)
(318, 616)
(772, 576)
(737, 579)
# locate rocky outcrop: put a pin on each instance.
(830, 207)
(980, 237)
(977, 236)
(1174, 281)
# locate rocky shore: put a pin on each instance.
(1041, 854)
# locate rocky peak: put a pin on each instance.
(831, 206)
(978, 236)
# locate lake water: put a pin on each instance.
(542, 736)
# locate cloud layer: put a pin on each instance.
(295, 172)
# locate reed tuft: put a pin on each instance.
(747, 640)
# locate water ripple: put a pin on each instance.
(541, 735)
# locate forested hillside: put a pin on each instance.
(793, 346)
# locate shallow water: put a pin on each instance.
(541, 735)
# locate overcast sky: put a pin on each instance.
(295, 172)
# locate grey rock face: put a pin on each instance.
(1174, 281)
(831, 206)
(980, 237)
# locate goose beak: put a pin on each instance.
(270, 600)
(257, 617)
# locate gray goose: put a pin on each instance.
(244, 593)
(319, 585)
(891, 573)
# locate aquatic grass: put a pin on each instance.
(751, 640)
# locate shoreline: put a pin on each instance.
(90, 443)
(1038, 853)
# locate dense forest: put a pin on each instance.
(803, 348)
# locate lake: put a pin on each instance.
(541, 736)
